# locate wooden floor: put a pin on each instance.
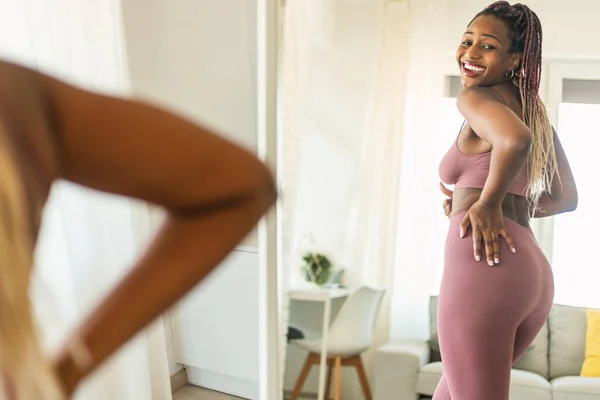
(195, 393)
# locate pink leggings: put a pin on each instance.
(488, 316)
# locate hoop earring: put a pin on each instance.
(510, 73)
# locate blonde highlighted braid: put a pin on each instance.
(25, 372)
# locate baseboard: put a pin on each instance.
(287, 394)
(179, 380)
(230, 385)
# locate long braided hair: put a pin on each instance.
(525, 31)
(25, 371)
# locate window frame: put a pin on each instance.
(556, 72)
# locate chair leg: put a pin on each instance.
(310, 360)
(362, 376)
(338, 378)
(329, 372)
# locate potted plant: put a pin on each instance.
(317, 268)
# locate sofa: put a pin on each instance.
(549, 369)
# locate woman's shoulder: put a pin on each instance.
(25, 108)
(26, 124)
(502, 94)
(482, 93)
(473, 100)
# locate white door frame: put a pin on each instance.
(268, 232)
(558, 71)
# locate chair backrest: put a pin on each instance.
(355, 321)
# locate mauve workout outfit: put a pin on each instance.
(487, 316)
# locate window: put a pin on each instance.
(575, 264)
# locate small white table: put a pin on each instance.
(324, 295)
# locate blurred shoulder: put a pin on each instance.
(26, 123)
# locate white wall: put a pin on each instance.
(198, 59)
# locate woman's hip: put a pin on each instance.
(521, 277)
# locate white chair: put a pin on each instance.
(351, 333)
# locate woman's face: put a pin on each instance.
(484, 55)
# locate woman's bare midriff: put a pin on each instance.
(514, 207)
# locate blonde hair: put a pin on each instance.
(25, 372)
(542, 165)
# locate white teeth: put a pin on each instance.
(474, 68)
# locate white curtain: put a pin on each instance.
(371, 232)
(88, 239)
(387, 238)
(387, 243)
(298, 25)
(393, 225)
(418, 242)
(372, 226)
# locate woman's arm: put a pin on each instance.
(214, 193)
(505, 131)
(563, 196)
(511, 141)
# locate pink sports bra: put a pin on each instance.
(471, 171)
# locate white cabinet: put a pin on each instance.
(199, 59)
(215, 328)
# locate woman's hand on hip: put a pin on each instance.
(487, 223)
(447, 204)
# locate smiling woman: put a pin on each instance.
(489, 66)
(506, 164)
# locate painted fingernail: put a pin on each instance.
(513, 250)
(496, 260)
(491, 263)
(477, 257)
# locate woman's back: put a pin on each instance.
(514, 206)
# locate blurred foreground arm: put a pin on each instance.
(214, 193)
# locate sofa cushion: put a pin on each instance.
(524, 385)
(576, 388)
(535, 358)
(568, 326)
(429, 377)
